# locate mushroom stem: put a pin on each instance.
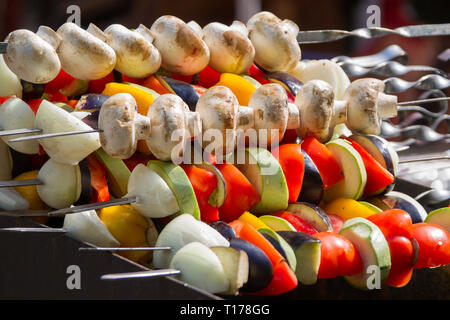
(387, 105)
(193, 124)
(245, 118)
(339, 113)
(50, 36)
(96, 32)
(142, 126)
(293, 116)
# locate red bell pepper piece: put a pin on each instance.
(98, 179)
(137, 158)
(284, 279)
(377, 176)
(298, 223)
(327, 165)
(204, 183)
(153, 83)
(292, 163)
(338, 256)
(257, 74)
(180, 77)
(3, 99)
(241, 195)
(62, 80)
(396, 226)
(34, 104)
(336, 222)
(208, 77)
(434, 245)
(97, 86)
(132, 80)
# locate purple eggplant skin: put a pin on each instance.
(297, 238)
(312, 214)
(86, 188)
(92, 119)
(224, 229)
(312, 186)
(291, 82)
(91, 101)
(184, 90)
(380, 151)
(260, 268)
(32, 90)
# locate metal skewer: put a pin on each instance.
(4, 133)
(140, 274)
(20, 183)
(124, 248)
(52, 135)
(55, 135)
(424, 30)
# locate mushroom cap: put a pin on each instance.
(362, 99)
(270, 105)
(231, 50)
(182, 50)
(315, 103)
(30, 57)
(275, 42)
(167, 140)
(83, 55)
(137, 57)
(218, 108)
(116, 119)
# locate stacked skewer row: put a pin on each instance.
(111, 121)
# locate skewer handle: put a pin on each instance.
(4, 133)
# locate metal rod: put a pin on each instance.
(25, 213)
(140, 274)
(20, 183)
(33, 230)
(4, 133)
(425, 159)
(124, 248)
(52, 135)
(92, 206)
(407, 103)
(425, 30)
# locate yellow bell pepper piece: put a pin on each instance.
(253, 220)
(129, 227)
(30, 194)
(347, 208)
(241, 87)
(143, 98)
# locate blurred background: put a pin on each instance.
(308, 14)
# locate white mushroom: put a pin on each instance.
(275, 42)
(230, 48)
(121, 126)
(31, 57)
(218, 108)
(315, 102)
(83, 55)
(367, 105)
(182, 50)
(168, 127)
(136, 55)
(272, 113)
